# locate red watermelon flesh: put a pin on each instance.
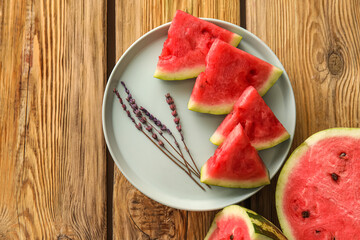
(231, 226)
(189, 40)
(229, 71)
(259, 122)
(238, 223)
(235, 164)
(318, 193)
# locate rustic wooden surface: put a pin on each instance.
(57, 180)
(52, 150)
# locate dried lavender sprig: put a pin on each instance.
(149, 127)
(162, 126)
(171, 103)
(139, 127)
(158, 123)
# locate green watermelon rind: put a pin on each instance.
(259, 227)
(202, 108)
(180, 75)
(217, 139)
(231, 183)
(292, 162)
(187, 73)
(264, 145)
(274, 76)
(227, 107)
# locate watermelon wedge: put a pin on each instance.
(189, 40)
(229, 71)
(235, 222)
(317, 194)
(235, 164)
(259, 122)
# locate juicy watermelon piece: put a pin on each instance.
(235, 164)
(259, 122)
(229, 71)
(235, 222)
(189, 41)
(317, 194)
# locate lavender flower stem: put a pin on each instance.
(139, 127)
(170, 102)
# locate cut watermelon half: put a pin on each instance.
(235, 222)
(317, 194)
(259, 122)
(235, 164)
(189, 40)
(229, 71)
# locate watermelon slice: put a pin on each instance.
(189, 40)
(229, 71)
(235, 164)
(259, 122)
(235, 222)
(317, 194)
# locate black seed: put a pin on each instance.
(334, 177)
(231, 237)
(342, 154)
(305, 214)
(333, 238)
(317, 231)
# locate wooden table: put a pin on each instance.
(57, 180)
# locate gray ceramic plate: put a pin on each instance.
(142, 163)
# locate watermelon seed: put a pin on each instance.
(252, 71)
(317, 231)
(305, 214)
(231, 237)
(342, 154)
(334, 177)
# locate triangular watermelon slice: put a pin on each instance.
(259, 122)
(235, 222)
(189, 40)
(229, 71)
(235, 164)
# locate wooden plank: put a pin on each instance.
(52, 77)
(317, 42)
(134, 215)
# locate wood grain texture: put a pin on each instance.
(134, 215)
(317, 42)
(52, 151)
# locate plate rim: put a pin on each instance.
(111, 79)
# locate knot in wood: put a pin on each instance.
(335, 63)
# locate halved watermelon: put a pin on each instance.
(259, 122)
(318, 191)
(235, 164)
(189, 41)
(235, 222)
(229, 71)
